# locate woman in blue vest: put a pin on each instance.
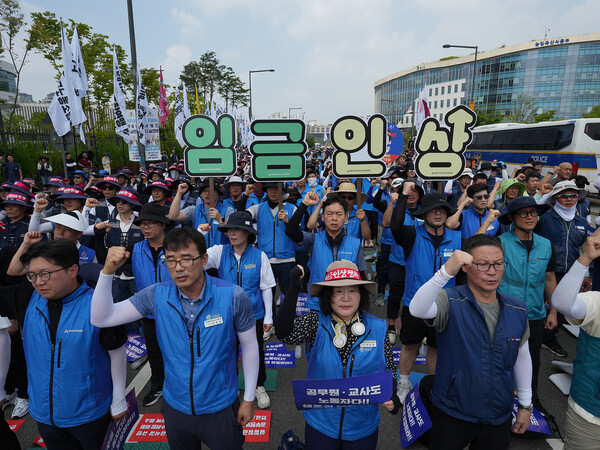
(336, 334)
(242, 264)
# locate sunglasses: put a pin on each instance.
(568, 196)
(481, 197)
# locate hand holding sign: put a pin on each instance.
(441, 150)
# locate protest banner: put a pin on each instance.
(415, 420)
(152, 136)
(151, 428)
(14, 425)
(258, 429)
(441, 149)
(135, 346)
(117, 432)
(337, 392)
(537, 423)
(277, 355)
(394, 144)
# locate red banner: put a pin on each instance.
(150, 428)
(257, 430)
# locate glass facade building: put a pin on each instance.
(561, 74)
(8, 80)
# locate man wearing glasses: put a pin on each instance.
(70, 362)
(482, 356)
(529, 274)
(198, 320)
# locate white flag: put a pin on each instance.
(422, 108)
(186, 103)
(80, 82)
(142, 109)
(325, 135)
(121, 127)
(65, 109)
(179, 117)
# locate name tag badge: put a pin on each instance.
(368, 343)
(213, 321)
(448, 254)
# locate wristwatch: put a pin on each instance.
(526, 408)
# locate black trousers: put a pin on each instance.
(155, 358)
(396, 277)
(89, 436)
(536, 333)
(17, 371)
(450, 433)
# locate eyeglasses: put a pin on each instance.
(481, 197)
(484, 267)
(568, 196)
(529, 212)
(147, 224)
(43, 276)
(185, 262)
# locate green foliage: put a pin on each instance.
(447, 58)
(310, 142)
(210, 76)
(522, 109)
(488, 117)
(545, 116)
(594, 113)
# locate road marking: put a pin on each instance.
(140, 380)
(555, 444)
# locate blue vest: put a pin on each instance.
(474, 378)
(322, 255)
(525, 274)
(146, 273)
(566, 237)
(272, 238)
(246, 274)
(201, 366)
(424, 260)
(324, 361)
(214, 236)
(353, 226)
(472, 221)
(15, 233)
(86, 254)
(396, 250)
(69, 379)
(585, 387)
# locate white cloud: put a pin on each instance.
(188, 25)
(177, 57)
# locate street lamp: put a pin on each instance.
(250, 72)
(475, 47)
(290, 112)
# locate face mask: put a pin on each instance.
(487, 173)
(312, 182)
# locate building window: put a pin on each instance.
(435, 104)
(441, 116)
(442, 90)
(430, 92)
(456, 88)
(454, 102)
(436, 91)
(448, 103)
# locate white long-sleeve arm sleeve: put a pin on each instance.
(523, 374)
(423, 304)
(564, 298)
(35, 225)
(267, 296)
(118, 373)
(448, 187)
(250, 362)
(105, 313)
(4, 359)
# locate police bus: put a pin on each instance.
(575, 141)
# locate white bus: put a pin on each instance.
(575, 141)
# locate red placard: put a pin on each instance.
(14, 425)
(257, 430)
(39, 441)
(150, 428)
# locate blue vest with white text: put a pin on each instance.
(272, 238)
(214, 236)
(69, 380)
(201, 366)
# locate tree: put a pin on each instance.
(545, 116)
(232, 90)
(12, 22)
(488, 117)
(594, 112)
(522, 109)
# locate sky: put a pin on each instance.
(327, 54)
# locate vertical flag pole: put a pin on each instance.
(358, 193)
(141, 146)
(212, 193)
(280, 195)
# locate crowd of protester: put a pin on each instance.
(481, 271)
